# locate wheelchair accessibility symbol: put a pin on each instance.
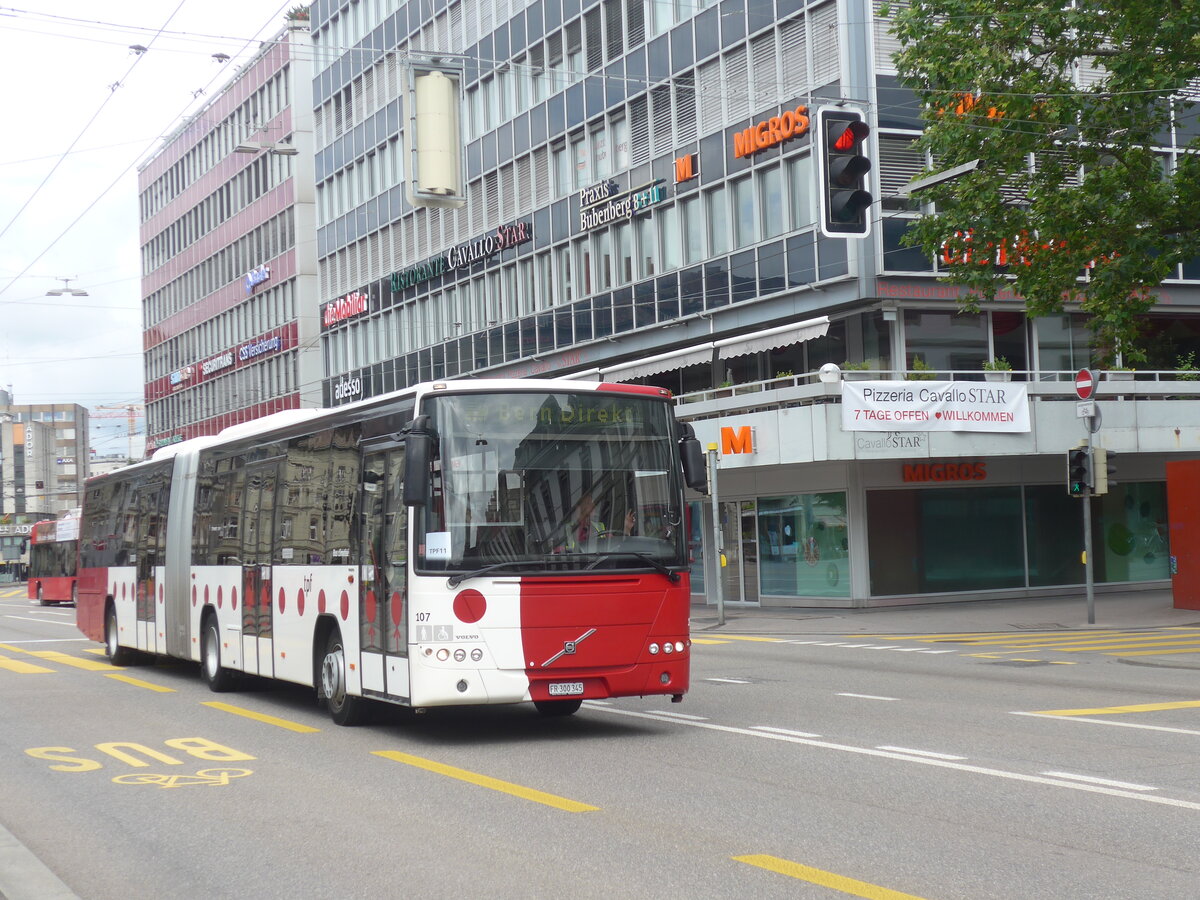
(204, 776)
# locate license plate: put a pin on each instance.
(565, 688)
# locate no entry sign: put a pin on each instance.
(1085, 383)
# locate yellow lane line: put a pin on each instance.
(742, 637)
(494, 784)
(137, 682)
(98, 651)
(22, 668)
(57, 656)
(261, 717)
(1152, 652)
(704, 641)
(1116, 710)
(1074, 640)
(851, 886)
(1118, 645)
(980, 635)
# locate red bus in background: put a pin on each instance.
(53, 556)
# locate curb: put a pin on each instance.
(25, 877)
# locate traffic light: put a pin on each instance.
(1079, 471)
(842, 167)
(1104, 462)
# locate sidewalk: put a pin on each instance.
(1120, 610)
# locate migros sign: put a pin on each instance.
(772, 131)
(737, 440)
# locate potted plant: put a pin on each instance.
(783, 378)
(921, 371)
(1187, 368)
(998, 369)
(1119, 373)
(856, 371)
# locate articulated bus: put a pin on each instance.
(53, 553)
(455, 543)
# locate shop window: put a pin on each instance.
(934, 540)
(946, 341)
(803, 546)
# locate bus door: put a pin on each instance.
(383, 570)
(257, 531)
(150, 541)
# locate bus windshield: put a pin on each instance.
(552, 481)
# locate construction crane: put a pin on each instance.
(131, 412)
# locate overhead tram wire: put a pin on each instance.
(137, 59)
(248, 42)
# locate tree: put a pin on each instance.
(1068, 106)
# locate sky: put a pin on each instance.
(82, 112)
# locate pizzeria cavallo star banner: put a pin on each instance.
(935, 406)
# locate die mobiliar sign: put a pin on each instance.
(934, 406)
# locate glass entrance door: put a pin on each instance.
(739, 576)
(383, 561)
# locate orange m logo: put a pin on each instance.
(740, 440)
(685, 168)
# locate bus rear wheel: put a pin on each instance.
(117, 655)
(557, 708)
(343, 708)
(217, 677)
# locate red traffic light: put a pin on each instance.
(855, 133)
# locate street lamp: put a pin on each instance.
(256, 147)
(66, 289)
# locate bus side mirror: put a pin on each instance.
(420, 443)
(695, 472)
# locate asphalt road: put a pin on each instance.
(798, 766)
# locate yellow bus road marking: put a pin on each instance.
(57, 656)
(981, 635)
(137, 682)
(1134, 646)
(494, 784)
(261, 717)
(703, 641)
(851, 886)
(22, 668)
(743, 637)
(98, 651)
(1072, 640)
(1117, 710)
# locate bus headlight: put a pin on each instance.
(653, 648)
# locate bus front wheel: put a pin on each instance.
(117, 655)
(343, 708)
(217, 677)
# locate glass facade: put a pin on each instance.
(937, 540)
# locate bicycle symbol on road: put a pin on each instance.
(204, 776)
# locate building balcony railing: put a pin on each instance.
(807, 389)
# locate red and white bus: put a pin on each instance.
(414, 548)
(53, 553)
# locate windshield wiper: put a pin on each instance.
(456, 580)
(653, 563)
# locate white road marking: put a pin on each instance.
(50, 621)
(918, 760)
(1108, 722)
(728, 680)
(928, 753)
(866, 696)
(675, 715)
(770, 730)
(1092, 780)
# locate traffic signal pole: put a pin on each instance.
(1087, 540)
